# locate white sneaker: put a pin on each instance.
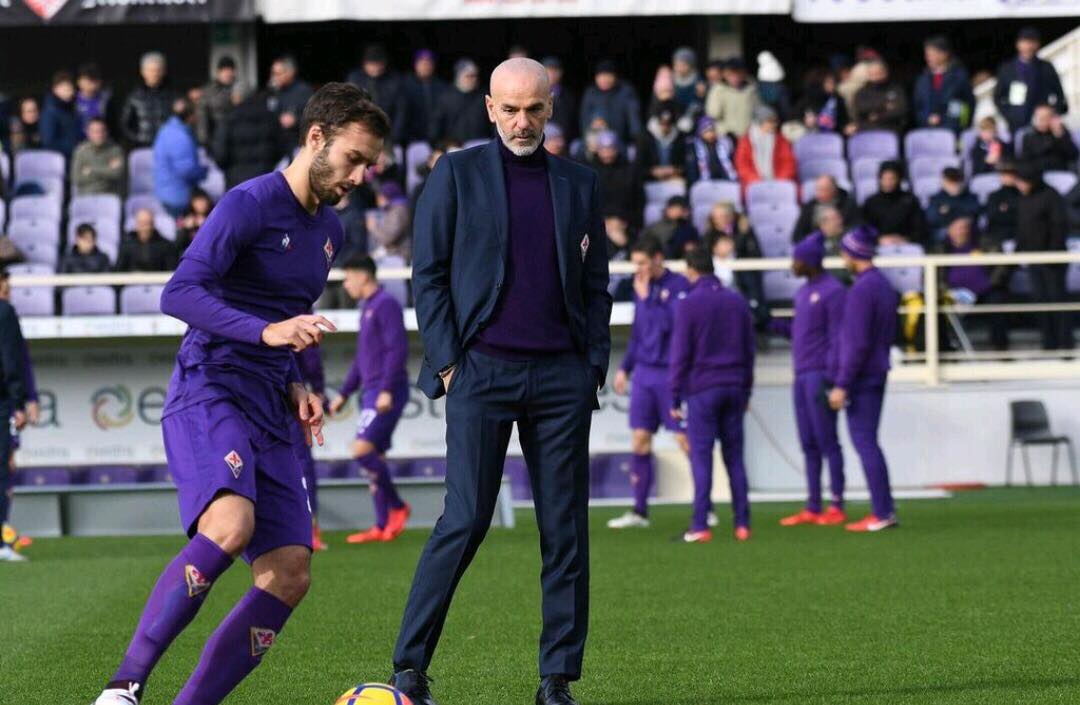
(9, 554)
(713, 520)
(630, 520)
(119, 696)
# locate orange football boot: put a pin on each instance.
(395, 523)
(832, 516)
(742, 533)
(871, 523)
(804, 517)
(370, 536)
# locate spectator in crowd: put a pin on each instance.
(894, 212)
(85, 257)
(943, 96)
(881, 104)
(663, 90)
(390, 230)
(92, 100)
(830, 222)
(288, 96)
(661, 148)
(461, 114)
(709, 157)
(555, 140)
(731, 102)
(988, 150)
(621, 191)
(564, 111)
(1048, 146)
(974, 283)
(852, 77)
(729, 237)
(437, 152)
(770, 85)
(611, 104)
(177, 170)
(1026, 82)
(821, 107)
(26, 126)
(149, 106)
(249, 143)
(714, 75)
(953, 201)
(219, 98)
(674, 231)
(1041, 227)
(688, 84)
(383, 85)
(197, 212)
(98, 163)
(60, 128)
(763, 154)
(618, 238)
(421, 91)
(145, 250)
(1002, 206)
(826, 195)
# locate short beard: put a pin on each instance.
(519, 151)
(320, 176)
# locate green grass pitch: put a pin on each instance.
(973, 600)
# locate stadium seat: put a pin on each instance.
(35, 269)
(88, 301)
(806, 193)
(214, 183)
(654, 212)
(1030, 425)
(879, 144)
(982, 185)
(107, 228)
(1020, 283)
(136, 203)
(835, 167)
(709, 193)
(416, 156)
(166, 225)
(699, 216)
(1018, 139)
(140, 171)
(5, 167)
(780, 285)
(929, 142)
(785, 216)
(865, 168)
(774, 193)
(1060, 181)
(33, 300)
(774, 239)
(41, 231)
(926, 187)
(819, 145)
(95, 207)
(661, 191)
(864, 189)
(926, 167)
(398, 288)
(3, 214)
(36, 207)
(903, 279)
(1072, 279)
(34, 164)
(112, 475)
(52, 186)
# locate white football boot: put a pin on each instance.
(630, 520)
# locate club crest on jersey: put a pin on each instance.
(235, 463)
(197, 583)
(328, 250)
(286, 243)
(261, 640)
(664, 294)
(815, 297)
(584, 246)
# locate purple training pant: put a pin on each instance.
(864, 418)
(713, 414)
(817, 436)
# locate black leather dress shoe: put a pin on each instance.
(414, 684)
(554, 690)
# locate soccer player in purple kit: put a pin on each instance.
(382, 350)
(309, 362)
(244, 288)
(815, 332)
(657, 290)
(865, 340)
(712, 370)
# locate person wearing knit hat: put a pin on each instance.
(422, 90)
(771, 88)
(612, 103)
(460, 113)
(815, 332)
(863, 366)
(708, 156)
(689, 89)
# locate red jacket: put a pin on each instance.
(784, 168)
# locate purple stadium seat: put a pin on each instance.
(107, 229)
(784, 216)
(33, 269)
(774, 193)
(141, 298)
(5, 167)
(780, 285)
(873, 143)
(3, 213)
(661, 191)
(929, 142)
(819, 145)
(141, 171)
(88, 301)
(398, 288)
(166, 225)
(654, 212)
(33, 300)
(1060, 181)
(1072, 280)
(709, 193)
(51, 185)
(774, 238)
(926, 187)
(34, 164)
(925, 167)
(37, 207)
(832, 166)
(1018, 139)
(34, 230)
(865, 168)
(806, 193)
(214, 183)
(1021, 279)
(112, 475)
(699, 216)
(416, 156)
(982, 185)
(136, 203)
(864, 189)
(96, 206)
(903, 279)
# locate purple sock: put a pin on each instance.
(383, 491)
(235, 648)
(173, 603)
(641, 475)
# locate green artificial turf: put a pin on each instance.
(975, 599)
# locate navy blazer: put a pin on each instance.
(460, 253)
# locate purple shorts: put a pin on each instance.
(212, 447)
(378, 429)
(650, 401)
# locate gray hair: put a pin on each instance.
(153, 57)
(288, 62)
(821, 211)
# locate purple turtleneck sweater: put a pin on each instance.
(815, 328)
(868, 331)
(530, 318)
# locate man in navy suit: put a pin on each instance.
(510, 278)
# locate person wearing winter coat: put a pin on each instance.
(461, 114)
(177, 169)
(149, 106)
(1026, 82)
(763, 154)
(943, 95)
(770, 85)
(98, 163)
(611, 104)
(881, 104)
(60, 127)
(731, 103)
(249, 144)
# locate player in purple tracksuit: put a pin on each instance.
(865, 340)
(712, 370)
(815, 333)
(244, 287)
(309, 362)
(382, 350)
(656, 293)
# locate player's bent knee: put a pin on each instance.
(229, 521)
(285, 573)
(361, 449)
(641, 443)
